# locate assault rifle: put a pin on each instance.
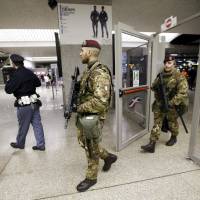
(166, 104)
(73, 96)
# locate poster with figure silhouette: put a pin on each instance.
(78, 22)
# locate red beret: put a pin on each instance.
(168, 58)
(91, 43)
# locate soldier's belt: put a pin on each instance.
(87, 114)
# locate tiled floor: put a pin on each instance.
(54, 174)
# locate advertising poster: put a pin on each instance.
(78, 22)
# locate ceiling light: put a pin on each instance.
(41, 59)
(148, 33)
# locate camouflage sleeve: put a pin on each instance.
(182, 92)
(100, 84)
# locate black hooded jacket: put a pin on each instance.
(22, 83)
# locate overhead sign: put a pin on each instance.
(169, 23)
(78, 22)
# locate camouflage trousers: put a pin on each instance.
(93, 153)
(172, 117)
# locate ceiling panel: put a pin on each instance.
(191, 27)
(148, 15)
(27, 35)
(24, 14)
(32, 51)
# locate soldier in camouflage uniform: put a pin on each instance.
(94, 99)
(177, 94)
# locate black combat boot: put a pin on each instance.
(16, 146)
(36, 148)
(149, 147)
(171, 141)
(85, 184)
(109, 161)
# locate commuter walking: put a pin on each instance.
(23, 85)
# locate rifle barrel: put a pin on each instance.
(181, 117)
(72, 97)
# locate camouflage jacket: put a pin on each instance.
(95, 90)
(176, 89)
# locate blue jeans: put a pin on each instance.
(30, 115)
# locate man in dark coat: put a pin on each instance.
(94, 16)
(103, 18)
(23, 85)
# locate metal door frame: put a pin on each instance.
(195, 117)
(119, 29)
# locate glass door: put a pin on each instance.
(132, 75)
(194, 146)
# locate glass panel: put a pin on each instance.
(197, 142)
(133, 114)
(134, 61)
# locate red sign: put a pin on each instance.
(168, 23)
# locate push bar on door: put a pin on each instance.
(131, 91)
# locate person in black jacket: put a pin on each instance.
(94, 16)
(23, 85)
(103, 18)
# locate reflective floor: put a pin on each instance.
(54, 174)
